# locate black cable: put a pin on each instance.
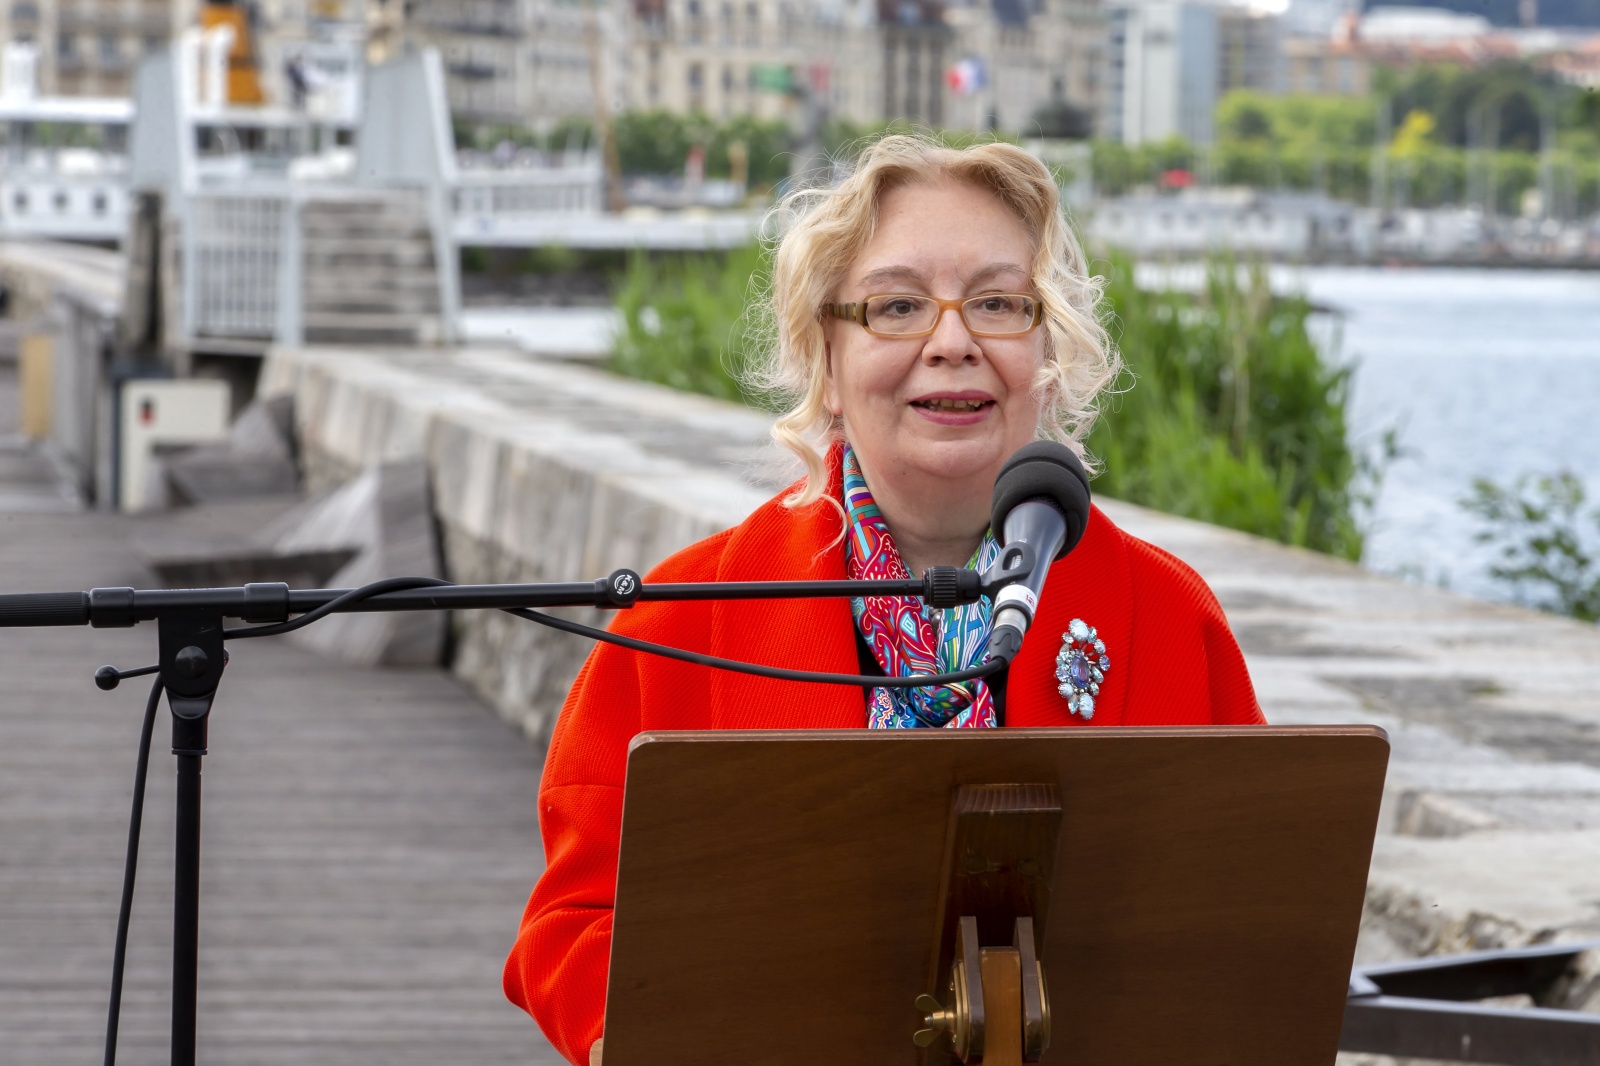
(778, 672)
(130, 868)
(365, 592)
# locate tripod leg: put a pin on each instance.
(186, 912)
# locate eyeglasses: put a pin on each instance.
(994, 314)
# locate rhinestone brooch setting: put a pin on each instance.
(1081, 667)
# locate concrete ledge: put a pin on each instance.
(532, 480)
(1491, 833)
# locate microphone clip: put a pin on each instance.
(1015, 564)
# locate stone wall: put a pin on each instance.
(531, 481)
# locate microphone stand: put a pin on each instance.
(190, 638)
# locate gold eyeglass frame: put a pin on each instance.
(857, 312)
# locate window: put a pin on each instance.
(696, 77)
(110, 49)
(727, 79)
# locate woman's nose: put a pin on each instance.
(950, 340)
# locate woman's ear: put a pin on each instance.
(830, 383)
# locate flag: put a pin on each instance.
(968, 76)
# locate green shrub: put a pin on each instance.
(684, 320)
(1543, 553)
(1230, 414)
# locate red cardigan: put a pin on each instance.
(1173, 662)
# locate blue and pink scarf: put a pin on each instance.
(905, 636)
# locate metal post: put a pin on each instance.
(192, 658)
(186, 912)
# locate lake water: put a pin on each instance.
(1485, 374)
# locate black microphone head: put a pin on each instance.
(1044, 470)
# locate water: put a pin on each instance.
(1485, 374)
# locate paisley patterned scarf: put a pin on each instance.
(905, 636)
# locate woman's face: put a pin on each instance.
(948, 405)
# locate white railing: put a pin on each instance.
(485, 202)
(233, 258)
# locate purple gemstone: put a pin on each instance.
(1080, 671)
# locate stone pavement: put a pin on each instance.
(370, 839)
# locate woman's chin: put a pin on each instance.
(959, 459)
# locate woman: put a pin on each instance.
(933, 314)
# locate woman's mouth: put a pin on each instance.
(958, 410)
(944, 404)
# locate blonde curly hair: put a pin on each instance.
(820, 233)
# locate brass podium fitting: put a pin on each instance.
(963, 1018)
(966, 1025)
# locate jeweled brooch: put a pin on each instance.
(1081, 666)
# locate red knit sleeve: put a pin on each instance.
(1187, 636)
(558, 966)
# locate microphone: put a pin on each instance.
(1040, 510)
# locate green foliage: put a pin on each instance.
(1458, 96)
(766, 144)
(658, 142)
(1118, 168)
(1544, 555)
(574, 133)
(1326, 143)
(1277, 155)
(684, 322)
(1231, 415)
(1245, 115)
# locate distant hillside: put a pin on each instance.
(1504, 12)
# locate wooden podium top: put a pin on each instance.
(776, 891)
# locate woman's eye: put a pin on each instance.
(900, 308)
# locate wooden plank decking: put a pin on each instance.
(370, 839)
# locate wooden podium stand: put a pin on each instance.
(1186, 896)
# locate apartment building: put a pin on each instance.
(865, 60)
(91, 47)
(751, 57)
(1163, 72)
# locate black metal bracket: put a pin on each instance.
(191, 660)
(1424, 1009)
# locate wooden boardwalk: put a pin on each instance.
(370, 840)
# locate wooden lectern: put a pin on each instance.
(1078, 896)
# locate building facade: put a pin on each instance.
(1164, 73)
(1037, 54)
(769, 58)
(91, 47)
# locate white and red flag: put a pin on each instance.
(968, 76)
